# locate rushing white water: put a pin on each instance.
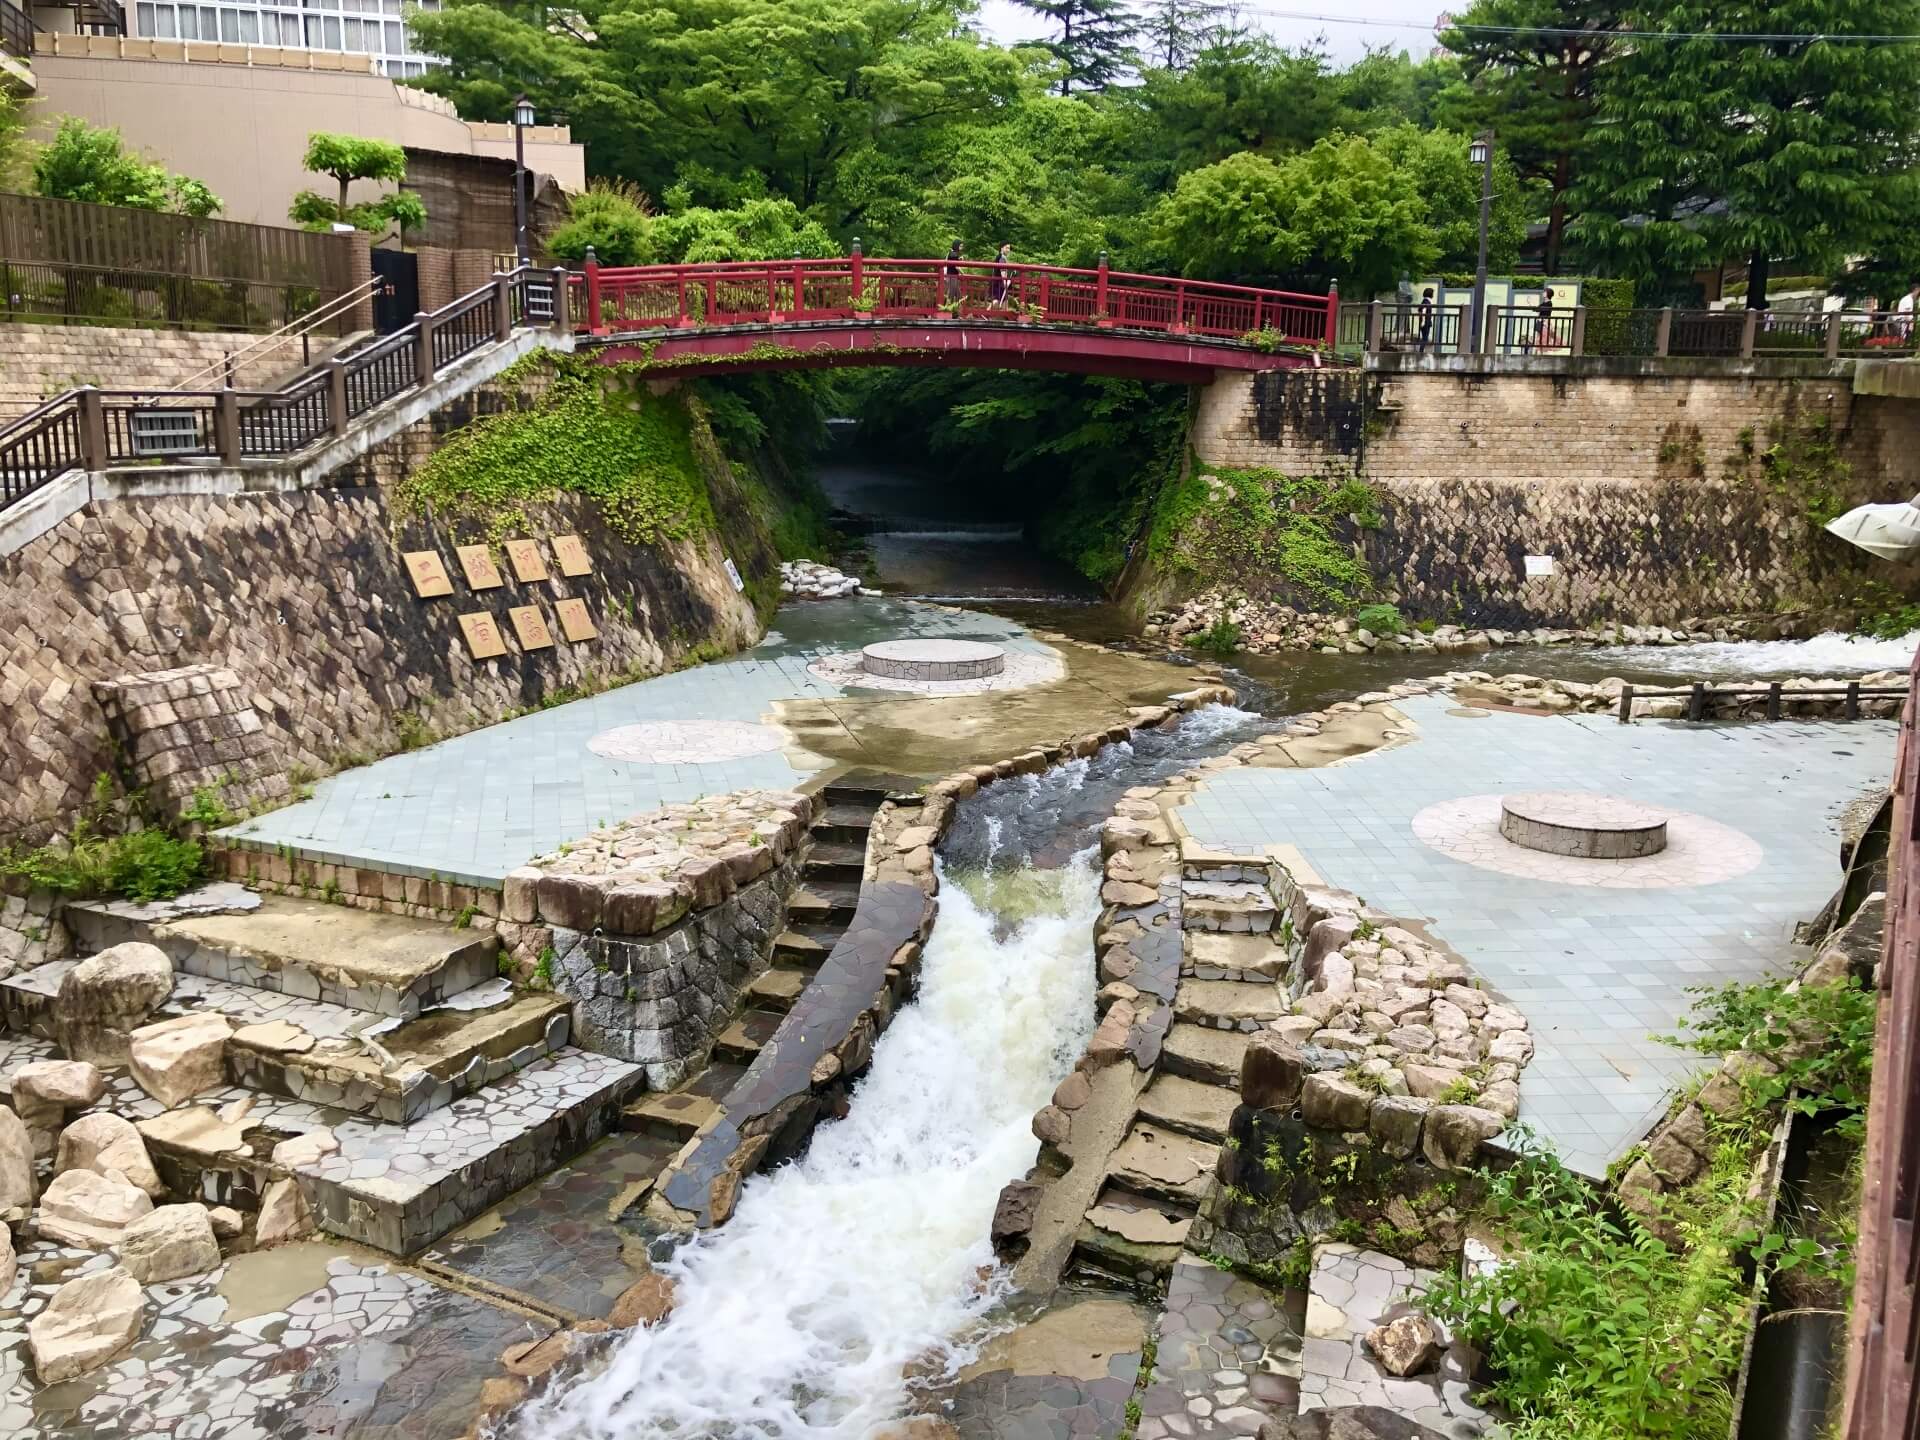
(1830, 654)
(797, 1318)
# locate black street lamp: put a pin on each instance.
(1480, 152)
(523, 117)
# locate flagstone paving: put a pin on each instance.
(1597, 969)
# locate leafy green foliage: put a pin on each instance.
(141, 865)
(614, 219)
(630, 452)
(1380, 619)
(347, 158)
(91, 162)
(1820, 1038)
(1095, 45)
(1222, 638)
(1225, 526)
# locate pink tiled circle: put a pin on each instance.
(1699, 851)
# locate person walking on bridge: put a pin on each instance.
(1001, 276)
(953, 274)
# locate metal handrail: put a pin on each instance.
(230, 363)
(1700, 694)
(94, 429)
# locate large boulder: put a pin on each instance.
(175, 1060)
(103, 1142)
(17, 1183)
(106, 997)
(283, 1215)
(45, 1090)
(1271, 1072)
(171, 1243)
(1331, 1103)
(1406, 1346)
(91, 1210)
(86, 1323)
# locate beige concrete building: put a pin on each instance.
(237, 116)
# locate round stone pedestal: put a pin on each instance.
(933, 659)
(1582, 825)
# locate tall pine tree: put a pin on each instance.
(1529, 70)
(1095, 43)
(1173, 32)
(1706, 148)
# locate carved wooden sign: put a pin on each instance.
(527, 561)
(571, 552)
(429, 576)
(531, 627)
(484, 640)
(576, 621)
(477, 561)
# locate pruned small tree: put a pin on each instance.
(345, 159)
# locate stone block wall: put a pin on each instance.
(1643, 482)
(194, 728)
(304, 597)
(31, 930)
(43, 360)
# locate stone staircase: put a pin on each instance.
(1159, 1174)
(818, 912)
(425, 1088)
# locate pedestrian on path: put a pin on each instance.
(1001, 275)
(1543, 325)
(953, 274)
(1426, 319)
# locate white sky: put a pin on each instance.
(1410, 28)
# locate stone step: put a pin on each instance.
(1243, 1005)
(311, 1050)
(775, 990)
(1130, 1240)
(361, 959)
(1216, 955)
(803, 947)
(1229, 906)
(823, 902)
(747, 1036)
(1197, 1052)
(1202, 862)
(1161, 1164)
(1188, 1107)
(835, 861)
(679, 1112)
(393, 1187)
(843, 825)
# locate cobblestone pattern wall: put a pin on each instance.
(31, 931)
(1640, 488)
(43, 360)
(178, 731)
(660, 1002)
(305, 598)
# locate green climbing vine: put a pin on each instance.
(631, 453)
(1220, 526)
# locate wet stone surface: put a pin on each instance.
(559, 1240)
(1228, 1358)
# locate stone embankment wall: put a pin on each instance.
(1651, 486)
(305, 598)
(44, 360)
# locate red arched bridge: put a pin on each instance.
(851, 310)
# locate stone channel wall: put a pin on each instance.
(45, 360)
(305, 599)
(1650, 485)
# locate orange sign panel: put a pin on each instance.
(484, 640)
(527, 561)
(429, 576)
(571, 552)
(576, 621)
(477, 561)
(531, 627)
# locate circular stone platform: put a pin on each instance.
(1699, 851)
(1583, 825)
(933, 659)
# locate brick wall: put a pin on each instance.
(39, 361)
(1646, 489)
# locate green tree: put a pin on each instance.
(1095, 45)
(758, 230)
(88, 162)
(347, 158)
(1173, 32)
(1529, 70)
(1704, 149)
(613, 219)
(1246, 94)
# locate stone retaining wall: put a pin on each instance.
(1650, 488)
(45, 360)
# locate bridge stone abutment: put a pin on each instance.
(1648, 484)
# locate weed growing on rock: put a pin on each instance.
(1222, 638)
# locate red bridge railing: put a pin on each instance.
(612, 299)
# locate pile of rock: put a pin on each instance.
(1532, 692)
(810, 580)
(104, 1191)
(644, 873)
(1269, 626)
